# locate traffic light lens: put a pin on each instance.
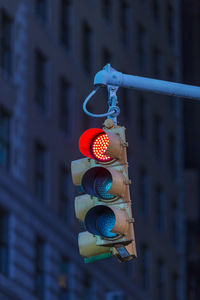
(100, 220)
(102, 185)
(93, 143)
(99, 146)
(105, 223)
(97, 182)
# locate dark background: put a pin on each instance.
(49, 53)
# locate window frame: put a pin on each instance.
(144, 190)
(44, 15)
(40, 170)
(157, 136)
(63, 196)
(63, 278)
(5, 140)
(41, 80)
(66, 23)
(142, 46)
(86, 47)
(160, 208)
(5, 45)
(4, 242)
(39, 267)
(142, 116)
(145, 267)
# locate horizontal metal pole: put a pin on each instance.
(109, 76)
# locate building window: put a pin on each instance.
(65, 105)
(142, 116)
(124, 20)
(87, 290)
(174, 224)
(155, 9)
(63, 279)
(86, 120)
(170, 23)
(41, 81)
(175, 287)
(87, 47)
(4, 138)
(40, 171)
(142, 46)
(6, 24)
(66, 22)
(160, 208)
(160, 280)
(41, 9)
(106, 9)
(156, 62)
(158, 136)
(106, 56)
(172, 154)
(125, 106)
(144, 191)
(39, 268)
(4, 243)
(65, 191)
(145, 267)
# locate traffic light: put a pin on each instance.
(104, 207)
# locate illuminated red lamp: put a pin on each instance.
(93, 143)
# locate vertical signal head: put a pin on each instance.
(105, 208)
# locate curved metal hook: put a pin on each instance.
(110, 113)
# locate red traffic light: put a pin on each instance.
(93, 143)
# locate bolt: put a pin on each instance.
(108, 123)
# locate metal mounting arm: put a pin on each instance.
(113, 110)
(109, 76)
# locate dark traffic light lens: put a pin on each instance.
(102, 185)
(97, 182)
(105, 223)
(100, 220)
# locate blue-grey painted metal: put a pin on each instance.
(91, 114)
(109, 76)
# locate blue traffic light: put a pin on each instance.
(100, 220)
(97, 182)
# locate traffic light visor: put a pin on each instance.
(100, 220)
(93, 143)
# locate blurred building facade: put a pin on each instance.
(49, 53)
(190, 65)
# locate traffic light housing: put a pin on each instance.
(105, 206)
